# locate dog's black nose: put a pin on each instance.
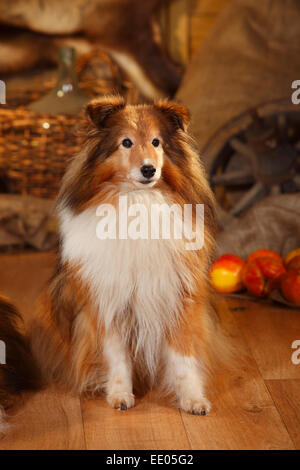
(148, 171)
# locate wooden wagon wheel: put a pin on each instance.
(262, 158)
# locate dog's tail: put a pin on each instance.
(18, 369)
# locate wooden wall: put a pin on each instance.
(186, 23)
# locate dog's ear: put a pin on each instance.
(99, 110)
(177, 114)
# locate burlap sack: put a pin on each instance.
(27, 221)
(250, 57)
(273, 223)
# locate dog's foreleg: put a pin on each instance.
(185, 378)
(186, 361)
(119, 377)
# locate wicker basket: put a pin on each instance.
(35, 148)
(34, 151)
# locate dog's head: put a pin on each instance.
(135, 139)
(132, 147)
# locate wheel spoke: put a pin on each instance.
(282, 127)
(244, 149)
(257, 192)
(233, 178)
(282, 121)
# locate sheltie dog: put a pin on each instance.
(119, 314)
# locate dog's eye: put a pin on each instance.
(155, 142)
(127, 143)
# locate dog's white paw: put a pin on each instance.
(196, 406)
(120, 400)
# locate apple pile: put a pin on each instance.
(262, 272)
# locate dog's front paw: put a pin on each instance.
(196, 406)
(120, 400)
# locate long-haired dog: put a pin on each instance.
(122, 312)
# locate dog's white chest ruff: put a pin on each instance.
(144, 277)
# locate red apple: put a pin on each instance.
(291, 255)
(225, 274)
(263, 253)
(261, 275)
(294, 263)
(290, 286)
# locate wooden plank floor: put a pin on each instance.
(257, 407)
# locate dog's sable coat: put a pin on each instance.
(118, 314)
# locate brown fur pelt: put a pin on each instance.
(124, 27)
(117, 312)
(20, 372)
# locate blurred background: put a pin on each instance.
(234, 63)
